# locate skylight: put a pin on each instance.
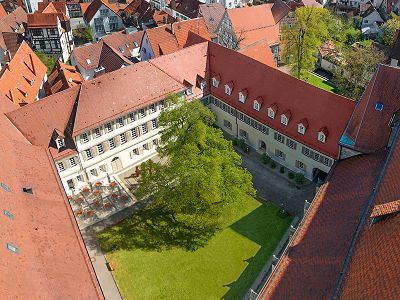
(378, 106)
(4, 187)
(12, 248)
(27, 190)
(88, 61)
(8, 214)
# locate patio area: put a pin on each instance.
(98, 201)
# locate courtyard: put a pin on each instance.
(152, 263)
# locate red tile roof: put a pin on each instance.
(13, 22)
(126, 42)
(316, 253)
(162, 17)
(279, 10)
(140, 10)
(162, 40)
(21, 80)
(182, 29)
(2, 12)
(95, 5)
(321, 108)
(261, 52)
(52, 262)
(369, 129)
(62, 77)
(385, 209)
(52, 7)
(254, 23)
(42, 20)
(212, 14)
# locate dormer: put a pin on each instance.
(215, 80)
(229, 88)
(285, 117)
(302, 126)
(272, 110)
(201, 82)
(189, 88)
(243, 95)
(59, 138)
(322, 134)
(258, 103)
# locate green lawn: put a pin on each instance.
(224, 268)
(48, 60)
(319, 82)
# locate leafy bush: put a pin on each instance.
(234, 142)
(241, 144)
(265, 159)
(273, 165)
(299, 178)
(290, 175)
(282, 170)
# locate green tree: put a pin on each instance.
(301, 40)
(389, 29)
(359, 64)
(202, 171)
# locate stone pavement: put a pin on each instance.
(276, 187)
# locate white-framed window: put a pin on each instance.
(61, 167)
(215, 82)
(103, 168)
(122, 138)
(100, 148)
(146, 146)
(142, 113)
(120, 122)
(306, 151)
(300, 165)
(284, 120)
(202, 84)
(96, 132)
(108, 127)
(84, 138)
(111, 143)
(135, 151)
(162, 104)
(326, 161)
(134, 133)
(131, 117)
(93, 172)
(155, 142)
(301, 129)
(243, 134)
(291, 144)
(279, 137)
(88, 153)
(256, 105)
(242, 97)
(154, 124)
(280, 154)
(72, 161)
(152, 108)
(144, 128)
(79, 178)
(271, 113)
(321, 137)
(228, 90)
(227, 124)
(60, 143)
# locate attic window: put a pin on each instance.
(32, 81)
(301, 129)
(135, 44)
(8, 214)
(321, 137)
(202, 84)
(121, 49)
(284, 120)
(271, 113)
(256, 105)
(189, 91)
(242, 97)
(378, 106)
(215, 82)
(88, 61)
(60, 143)
(12, 248)
(27, 190)
(4, 187)
(228, 90)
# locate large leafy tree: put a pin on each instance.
(389, 29)
(201, 171)
(358, 65)
(301, 40)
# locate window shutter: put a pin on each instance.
(94, 151)
(117, 141)
(138, 131)
(105, 146)
(140, 149)
(150, 145)
(149, 126)
(128, 136)
(84, 155)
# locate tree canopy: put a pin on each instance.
(202, 171)
(389, 29)
(302, 39)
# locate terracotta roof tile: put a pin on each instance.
(13, 22)
(123, 41)
(40, 20)
(385, 209)
(369, 128)
(261, 52)
(212, 14)
(140, 10)
(162, 35)
(316, 253)
(62, 77)
(2, 12)
(183, 28)
(162, 17)
(21, 80)
(95, 5)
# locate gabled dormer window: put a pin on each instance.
(215, 82)
(284, 120)
(228, 90)
(60, 142)
(256, 105)
(84, 138)
(189, 91)
(271, 113)
(301, 128)
(202, 84)
(321, 137)
(242, 96)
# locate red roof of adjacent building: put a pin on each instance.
(14, 21)
(212, 14)
(260, 52)
(369, 128)
(62, 77)
(52, 7)
(21, 79)
(314, 260)
(95, 5)
(42, 20)
(2, 12)
(161, 17)
(51, 260)
(124, 42)
(254, 23)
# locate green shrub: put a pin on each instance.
(273, 165)
(282, 170)
(241, 144)
(235, 142)
(265, 159)
(290, 175)
(299, 178)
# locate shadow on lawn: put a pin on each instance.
(154, 229)
(266, 233)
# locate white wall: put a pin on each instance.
(146, 51)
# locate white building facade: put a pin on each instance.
(104, 22)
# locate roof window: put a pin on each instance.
(8, 214)
(88, 61)
(5, 187)
(378, 106)
(12, 248)
(28, 190)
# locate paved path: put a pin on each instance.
(275, 187)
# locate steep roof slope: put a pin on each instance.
(369, 128)
(212, 14)
(318, 107)
(316, 253)
(124, 42)
(260, 52)
(62, 77)
(51, 260)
